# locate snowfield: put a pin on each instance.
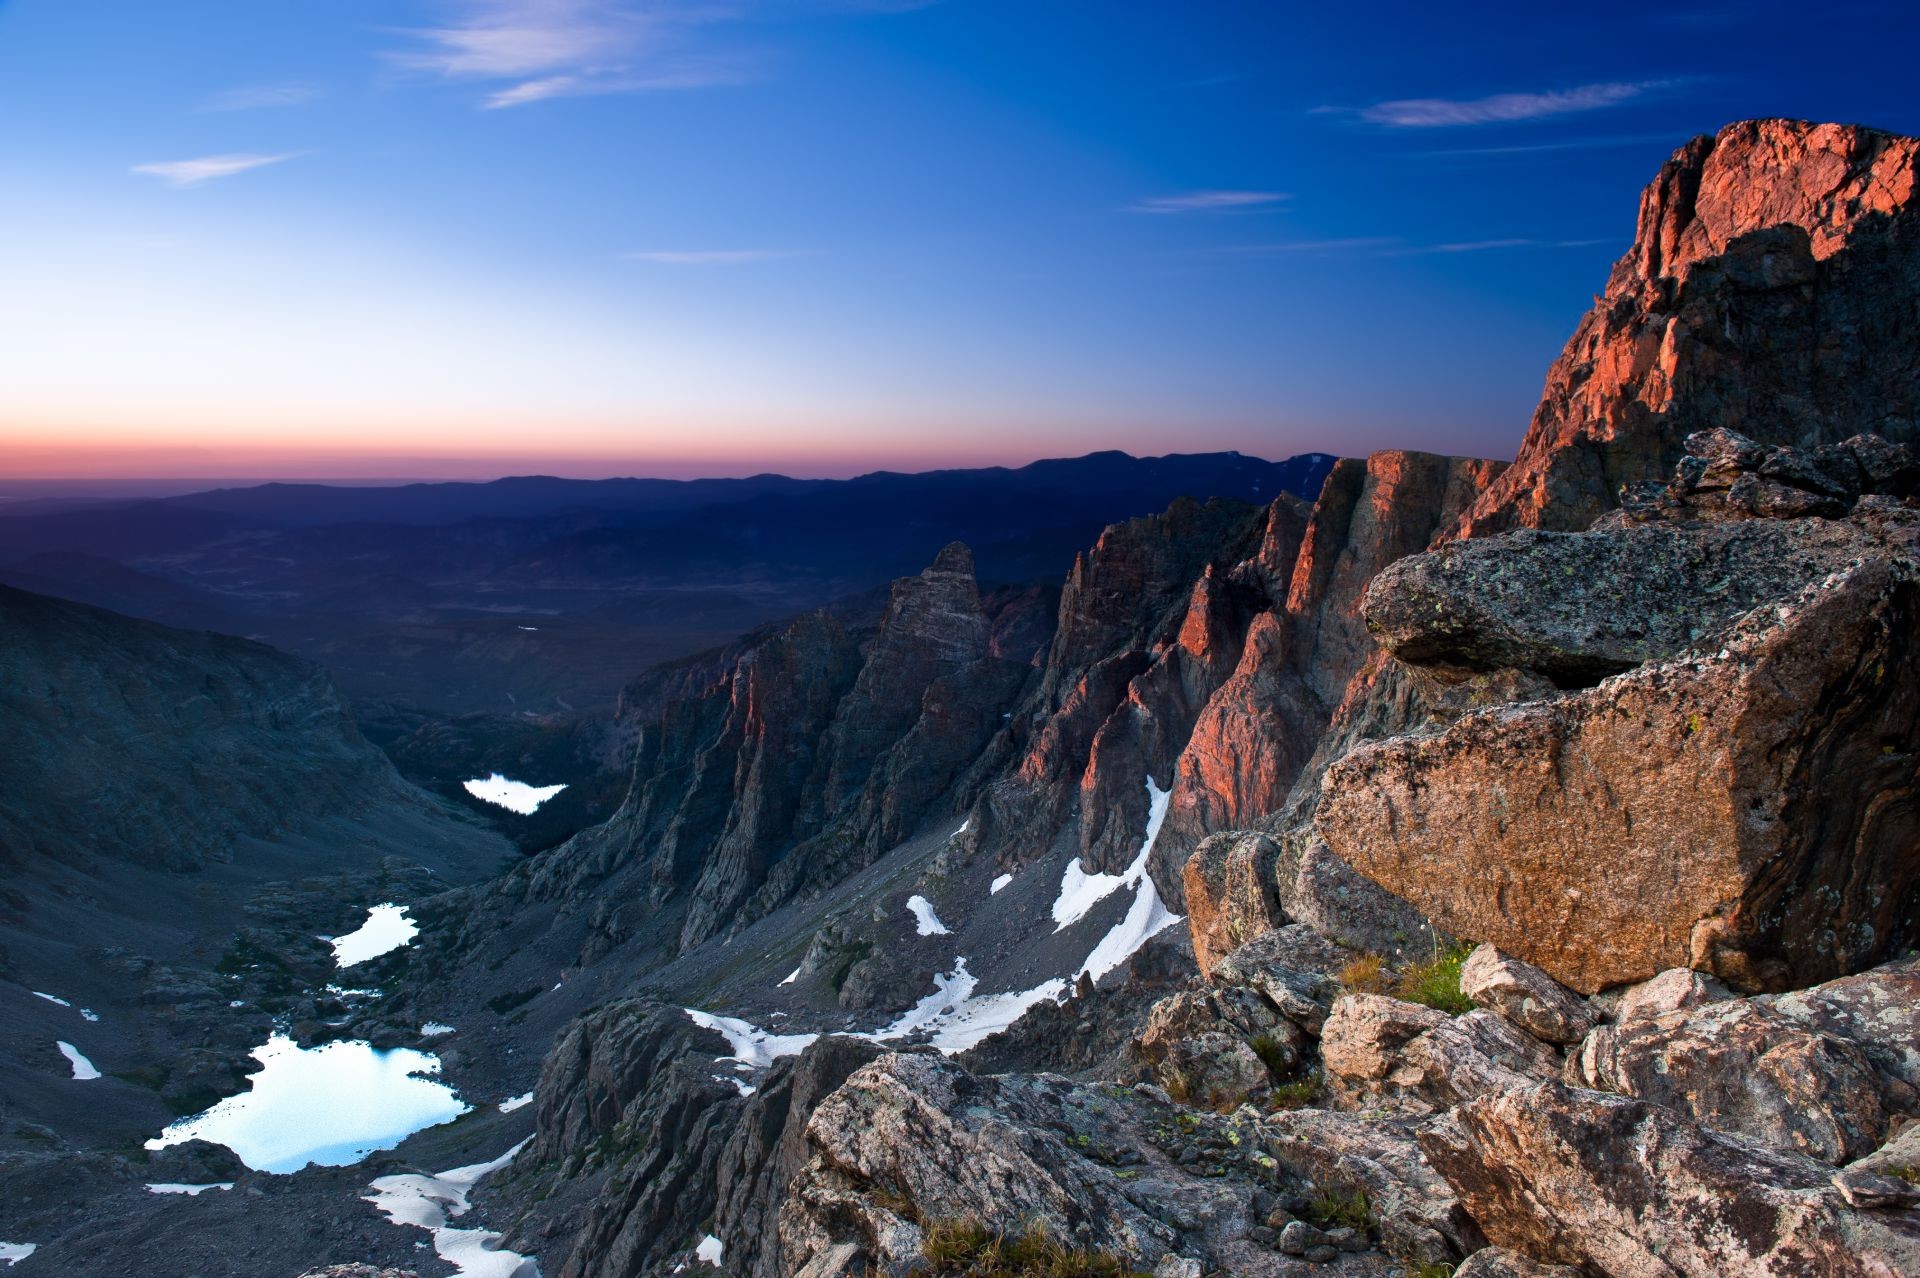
(82, 1067)
(924, 918)
(428, 1202)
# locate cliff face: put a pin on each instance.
(1768, 290)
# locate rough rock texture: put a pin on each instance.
(1380, 1051)
(769, 1148)
(1768, 290)
(1525, 995)
(1417, 1214)
(630, 1121)
(1737, 1068)
(1877, 1010)
(98, 710)
(925, 1131)
(1689, 813)
(1672, 990)
(1628, 1188)
(1498, 1262)
(1233, 894)
(1579, 606)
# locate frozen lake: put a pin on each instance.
(515, 796)
(332, 1105)
(387, 928)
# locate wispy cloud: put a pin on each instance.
(208, 167)
(706, 257)
(257, 96)
(571, 48)
(1515, 242)
(1207, 201)
(1501, 108)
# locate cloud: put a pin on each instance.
(706, 257)
(1207, 201)
(208, 167)
(1501, 108)
(1316, 246)
(571, 48)
(254, 97)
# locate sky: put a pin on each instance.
(465, 238)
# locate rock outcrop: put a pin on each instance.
(1621, 1186)
(1769, 289)
(1689, 813)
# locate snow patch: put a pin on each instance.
(88, 1014)
(1080, 891)
(517, 1102)
(428, 1202)
(1148, 915)
(514, 796)
(51, 999)
(434, 1029)
(387, 929)
(191, 1191)
(955, 1018)
(10, 1253)
(745, 1088)
(1001, 882)
(924, 918)
(82, 1067)
(754, 1046)
(333, 1106)
(792, 976)
(710, 1250)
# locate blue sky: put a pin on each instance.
(617, 236)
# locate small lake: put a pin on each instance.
(387, 929)
(331, 1105)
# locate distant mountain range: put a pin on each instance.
(538, 593)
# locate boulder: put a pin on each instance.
(1737, 1067)
(1577, 607)
(1233, 894)
(1632, 1189)
(1878, 1011)
(925, 1132)
(1294, 969)
(1887, 1178)
(1671, 991)
(1526, 996)
(1695, 812)
(1380, 1051)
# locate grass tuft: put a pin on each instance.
(1436, 983)
(1330, 1209)
(968, 1248)
(1364, 975)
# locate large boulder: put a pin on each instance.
(1736, 1067)
(1745, 808)
(1233, 894)
(917, 1129)
(1634, 1190)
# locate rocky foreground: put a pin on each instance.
(1546, 839)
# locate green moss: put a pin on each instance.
(1904, 1171)
(1298, 1094)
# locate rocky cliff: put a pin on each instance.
(1768, 290)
